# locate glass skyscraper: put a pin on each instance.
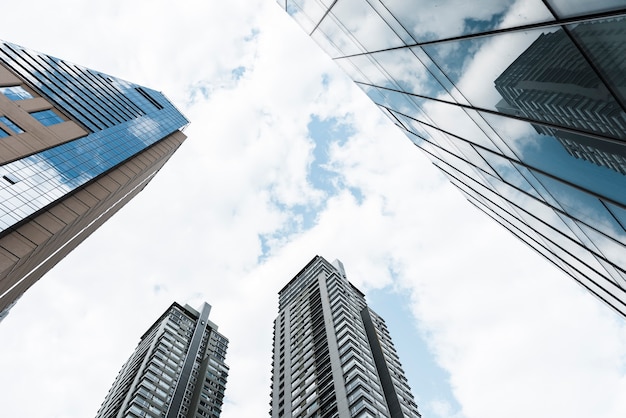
(333, 356)
(521, 104)
(176, 371)
(75, 146)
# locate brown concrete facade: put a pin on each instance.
(36, 137)
(32, 248)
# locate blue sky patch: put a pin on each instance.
(238, 72)
(324, 132)
(428, 381)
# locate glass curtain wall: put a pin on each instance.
(522, 104)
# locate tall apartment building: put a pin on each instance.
(176, 371)
(333, 356)
(75, 146)
(520, 104)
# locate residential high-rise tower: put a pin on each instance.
(75, 146)
(176, 371)
(521, 104)
(333, 356)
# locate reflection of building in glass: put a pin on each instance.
(560, 80)
(609, 155)
(549, 83)
(176, 371)
(75, 146)
(333, 356)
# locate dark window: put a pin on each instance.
(10, 178)
(149, 98)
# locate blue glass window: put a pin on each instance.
(47, 117)
(3, 133)
(11, 125)
(15, 93)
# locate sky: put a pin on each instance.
(285, 159)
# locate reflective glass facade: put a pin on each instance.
(176, 371)
(333, 356)
(121, 118)
(522, 104)
(75, 146)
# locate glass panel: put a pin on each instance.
(560, 155)
(618, 276)
(429, 20)
(402, 103)
(54, 172)
(307, 13)
(557, 240)
(569, 8)
(395, 120)
(47, 117)
(610, 248)
(474, 64)
(509, 173)
(374, 94)
(417, 133)
(364, 26)
(605, 42)
(334, 38)
(582, 206)
(3, 133)
(499, 144)
(11, 125)
(440, 114)
(541, 191)
(436, 72)
(618, 213)
(536, 74)
(369, 71)
(98, 101)
(545, 221)
(327, 43)
(15, 93)
(384, 12)
(410, 74)
(448, 151)
(531, 229)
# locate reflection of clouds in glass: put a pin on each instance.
(365, 25)
(610, 248)
(98, 101)
(39, 184)
(568, 8)
(545, 153)
(455, 120)
(553, 232)
(430, 19)
(47, 176)
(491, 58)
(474, 64)
(306, 12)
(362, 68)
(144, 129)
(517, 134)
(524, 172)
(580, 205)
(408, 72)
